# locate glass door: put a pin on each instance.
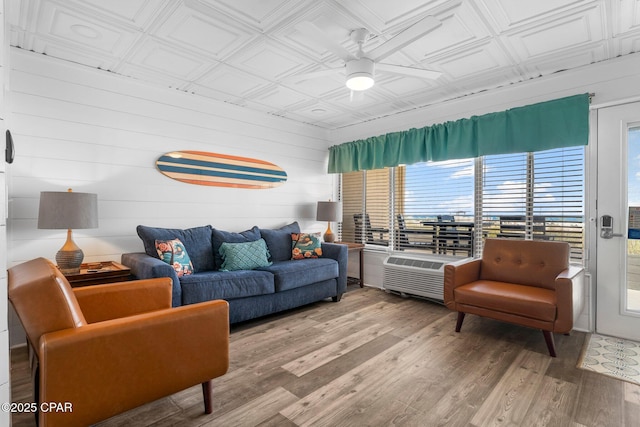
(618, 206)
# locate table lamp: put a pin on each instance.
(60, 210)
(329, 211)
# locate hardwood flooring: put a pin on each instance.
(377, 359)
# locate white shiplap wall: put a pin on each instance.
(98, 132)
(5, 385)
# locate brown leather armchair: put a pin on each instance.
(105, 349)
(525, 282)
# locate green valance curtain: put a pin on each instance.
(558, 123)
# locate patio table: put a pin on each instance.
(452, 236)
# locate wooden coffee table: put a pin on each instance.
(98, 273)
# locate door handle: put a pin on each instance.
(609, 234)
(606, 227)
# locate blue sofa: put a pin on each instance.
(283, 285)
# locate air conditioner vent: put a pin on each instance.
(418, 276)
(414, 262)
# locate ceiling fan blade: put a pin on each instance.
(310, 30)
(404, 38)
(408, 71)
(296, 78)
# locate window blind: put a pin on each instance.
(366, 207)
(352, 197)
(377, 208)
(559, 196)
(427, 192)
(538, 196)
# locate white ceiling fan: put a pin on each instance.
(360, 68)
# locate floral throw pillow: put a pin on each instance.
(306, 245)
(174, 253)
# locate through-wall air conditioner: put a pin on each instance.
(415, 275)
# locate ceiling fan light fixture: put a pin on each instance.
(360, 82)
(360, 74)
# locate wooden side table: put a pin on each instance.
(98, 273)
(359, 247)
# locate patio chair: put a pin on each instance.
(447, 235)
(363, 226)
(515, 226)
(403, 241)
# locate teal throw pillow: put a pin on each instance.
(244, 256)
(306, 245)
(175, 254)
(218, 237)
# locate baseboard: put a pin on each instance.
(18, 346)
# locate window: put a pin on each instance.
(366, 207)
(426, 193)
(352, 196)
(559, 195)
(526, 195)
(537, 196)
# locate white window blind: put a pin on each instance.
(352, 197)
(366, 207)
(377, 209)
(537, 196)
(558, 196)
(430, 192)
(525, 195)
(503, 196)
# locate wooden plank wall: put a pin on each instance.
(5, 385)
(98, 132)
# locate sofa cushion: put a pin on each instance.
(279, 241)
(196, 240)
(292, 274)
(306, 245)
(521, 300)
(174, 253)
(211, 285)
(244, 256)
(220, 236)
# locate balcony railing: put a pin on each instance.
(457, 235)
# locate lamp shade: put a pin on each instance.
(67, 210)
(329, 211)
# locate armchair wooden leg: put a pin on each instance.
(548, 337)
(207, 393)
(35, 374)
(459, 321)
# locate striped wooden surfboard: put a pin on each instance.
(220, 170)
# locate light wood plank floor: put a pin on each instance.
(376, 359)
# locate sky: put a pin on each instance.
(633, 170)
(505, 185)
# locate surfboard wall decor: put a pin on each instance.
(220, 170)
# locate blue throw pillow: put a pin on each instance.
(244, 256)
(279, 241)
(218, 237)
(196, 240)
